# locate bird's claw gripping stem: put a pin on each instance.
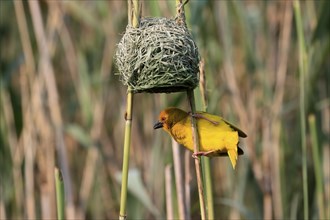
(199, 153)
(195, 155)
(196, 115)
(203, 153)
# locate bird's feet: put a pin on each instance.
(196, 115)
(195, 155)
(202, 153)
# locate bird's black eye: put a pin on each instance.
(163, 118)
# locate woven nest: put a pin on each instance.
(159, 56)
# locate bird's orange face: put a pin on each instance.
(162, 121)
(169, 117)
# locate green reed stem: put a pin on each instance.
(208, 187)
(59, 187)
(317, 166)
(302, 73)
(127, 144)
(134, 20)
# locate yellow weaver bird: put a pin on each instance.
(217, 137)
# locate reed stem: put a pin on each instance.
(317, 166)
(127, 144)
(134, 20)
(208, 187)
(59, 186)
(178, 179)
(168, 191)
(187, 181)
(201, 97)
(302, 74)
(191, 99)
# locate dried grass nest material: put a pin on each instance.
(159, 56)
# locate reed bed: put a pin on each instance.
(63, 106)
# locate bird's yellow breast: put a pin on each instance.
(212, 137)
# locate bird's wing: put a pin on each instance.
(216, 118)
(240, 132)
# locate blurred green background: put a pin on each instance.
(267, 70)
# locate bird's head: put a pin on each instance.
(169, 117)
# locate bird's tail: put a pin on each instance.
(232, 153)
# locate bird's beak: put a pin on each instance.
(158, 125)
